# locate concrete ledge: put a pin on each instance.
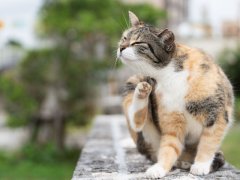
(111, 154)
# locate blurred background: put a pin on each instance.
(58, 70)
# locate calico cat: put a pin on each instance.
(180, 106)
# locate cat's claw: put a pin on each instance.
(200, 168)
(155, 171)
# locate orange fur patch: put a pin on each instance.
(140, 117)
(210, 140)
(126, 103)
(176, 149)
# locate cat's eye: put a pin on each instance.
(139, 43)
(124, 38)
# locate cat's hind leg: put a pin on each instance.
(187, 158)
(138, 109)
(136, 103)
(136, 94)
(218, 161)
(210, 140)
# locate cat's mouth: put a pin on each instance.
(126, 55)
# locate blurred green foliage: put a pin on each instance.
(46, 153)
(91, 17)
(237, 109)
(38, 162)
(76, 77)
(78, 39)
(69, 62)
(231, 145)
(19, 104)
(229, 60)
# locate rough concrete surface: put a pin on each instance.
(109, 153)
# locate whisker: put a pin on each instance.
(119, 24)
(114, 53)
(126, 20)
(115, 64)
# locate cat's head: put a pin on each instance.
(145, 47)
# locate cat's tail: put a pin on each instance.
(218, 161)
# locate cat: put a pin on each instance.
(180, 106)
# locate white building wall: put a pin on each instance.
(217, 12)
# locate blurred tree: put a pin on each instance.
(11, 92)
(14, 43)
(229, 60)
(62, 78)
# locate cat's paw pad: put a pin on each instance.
(143, 90)
(200, 168)
(155, 171)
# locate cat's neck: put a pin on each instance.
(169, 70)
(163, 73)
(180, 50)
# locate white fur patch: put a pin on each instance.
(128, 55)
(201, 168)
(136, 105)
(194, 129)
(173, 87)
(155, 171)
(152, 136)
(127, 143)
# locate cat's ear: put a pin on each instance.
(167, 39)
(133, 19)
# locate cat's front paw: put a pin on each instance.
(200, 168)
(155, 171)
(143, 90)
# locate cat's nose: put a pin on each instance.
(122, 48)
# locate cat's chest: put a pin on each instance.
(172, 87)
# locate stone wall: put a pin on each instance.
(111, 154)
